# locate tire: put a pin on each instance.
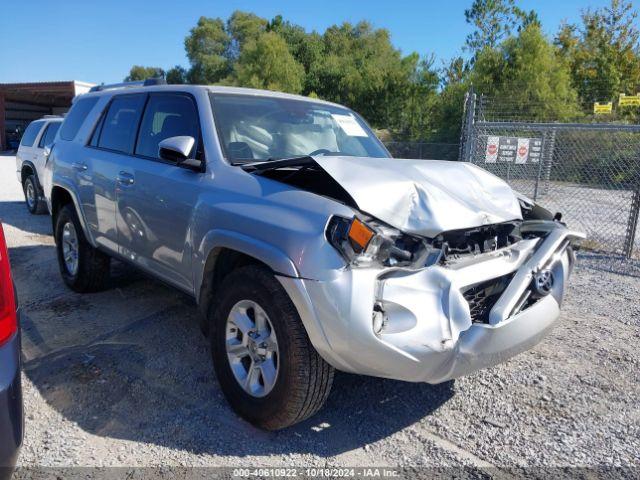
(32, 196)
(91, 271)
(303, 379)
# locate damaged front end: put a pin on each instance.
(446, 269)
(433, 309)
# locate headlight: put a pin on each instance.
(372, 243)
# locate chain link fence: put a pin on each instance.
(424, 150)
(590, 172)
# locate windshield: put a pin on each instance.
(260, 128)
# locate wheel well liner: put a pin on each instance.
(26, 170)
(59, 198)
(220, 263)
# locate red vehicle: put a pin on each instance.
(11, 412)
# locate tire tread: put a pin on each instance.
(311, 385)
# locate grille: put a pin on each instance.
(483, 296)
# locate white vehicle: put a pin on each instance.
(31, 158)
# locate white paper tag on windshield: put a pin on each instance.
(349, 125)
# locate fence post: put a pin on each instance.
(550, 148)
(632, 223)
(541, 161)
(467, 128)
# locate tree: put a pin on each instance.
(359, 67)
(207, 47)
(418, 91)
(265, 62)
(176, 75)
(243, 27)
(603, 53)
(526, 74)
(494, 21)
(138, 72)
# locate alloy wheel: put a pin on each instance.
(252, 348)
(31, 195)
(70, 248)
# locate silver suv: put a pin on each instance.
(306, 246)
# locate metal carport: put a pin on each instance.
(20, 103)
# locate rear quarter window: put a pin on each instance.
(47, 138)
(30, 134)
(76, 116)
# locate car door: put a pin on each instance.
(156, 198)
(110, 149)
(45, 140)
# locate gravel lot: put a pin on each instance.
(124, 378)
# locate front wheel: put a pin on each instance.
(83, 268)
(265, 363)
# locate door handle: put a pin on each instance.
(124, 178)
(79, 166)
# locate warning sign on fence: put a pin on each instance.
(602, 108)
(491, 154)
(513, 149)
(629, 100)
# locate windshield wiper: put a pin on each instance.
(264, 166)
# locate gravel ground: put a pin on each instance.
(602, 214)
(124, 378)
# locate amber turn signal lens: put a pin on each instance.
(360, 235)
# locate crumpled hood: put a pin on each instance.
(424, 197)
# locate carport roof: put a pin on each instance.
(54, 94)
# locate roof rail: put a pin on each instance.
(141, 83)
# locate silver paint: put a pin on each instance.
(172, 221)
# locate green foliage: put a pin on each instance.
(243, 27)
(603, 53)
(406, 96)
(207, 47)
(176, 75)
(138, 72)
(495, 20)
(265, 62)
(526, 73)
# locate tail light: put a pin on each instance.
(8, 318)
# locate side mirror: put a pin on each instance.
(47, 151)
(176, 149)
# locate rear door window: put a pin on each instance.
(30, 134)
(74, 119)
(167, 115)
(121, 123)
(47, 138)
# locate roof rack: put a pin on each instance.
(142, 83)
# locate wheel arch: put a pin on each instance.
(61, 196)
(27, 169)
(226, 251)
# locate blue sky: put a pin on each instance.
(99, 41)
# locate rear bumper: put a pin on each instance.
(11, 408)
(429, 334)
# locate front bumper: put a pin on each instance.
(11, 409)
(429, 334)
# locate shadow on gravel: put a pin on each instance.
(605, 262)
(16, 214)
(131, 363)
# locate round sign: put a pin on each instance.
(492, 148)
